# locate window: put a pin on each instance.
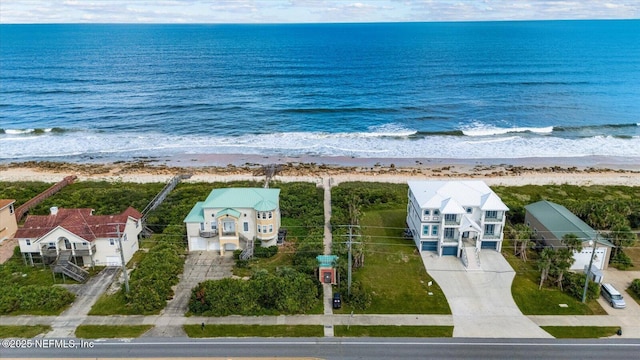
(434, 230)
(264, 229)
(492, 214)
(201, 226)
(245, 226)
(28, 241)
(112, 242)
(489, 229)
(214, 226)
(436, 212)
(270, 214)
(137, 224)
(264, 215)
(469, 210)
(259, 229)
(448, 233)
(270, 228)
(124, 237)
(425, 229)
(449, 217)
(11, 209)
(427, 212)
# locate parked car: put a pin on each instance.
(613, 296)
(337, 301)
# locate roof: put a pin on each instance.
(6, 202)
(259, 199)
(80, 222)
(326, 260)
(560, 221)
(230, 212)
(452, 196)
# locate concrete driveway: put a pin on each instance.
(481, 301)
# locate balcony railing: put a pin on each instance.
(49, 251)
(85, 250)
(452, 222)
(491, 236)
(208, 234)
(493, 219)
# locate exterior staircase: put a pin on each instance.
(471, 258)
(247, 253)
(66, 267)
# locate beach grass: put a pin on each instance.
(210, 331)
(111, 331)
(22, 331)
(581, 332)
(393, 331)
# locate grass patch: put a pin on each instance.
(532, 301)
(196, 331)
(22, 331)
(633, 295)
(393, 331)
(115, 304)
(580, 332)
(393, 271)
(282, 258)
(111, 331)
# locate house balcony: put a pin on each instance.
(450, 240)
(491, 237)
(497, 219)
(48, 251)
(208, 234)
(85, 250)
(455, 222)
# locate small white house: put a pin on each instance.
(232, 218)
(88, 239)
(454, 217)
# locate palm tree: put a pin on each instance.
(563, 258)
(544, 264)
(522, 239)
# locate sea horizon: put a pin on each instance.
(513, 89)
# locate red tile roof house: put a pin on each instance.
(88, 239)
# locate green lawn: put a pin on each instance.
(22, 331)
(546, 301)
(393, 271)
(111, 331)
(196, 331)
(393, 331)
(633, 295)
(580, 332)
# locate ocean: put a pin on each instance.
(460, 90)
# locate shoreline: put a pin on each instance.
(223, 168)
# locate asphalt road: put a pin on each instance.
(361, 348)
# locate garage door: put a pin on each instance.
(429, 246)
(113, 261)
(450, 250)
(197, 244)
(489, 245)
(582, 259)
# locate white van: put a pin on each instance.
(613, 296)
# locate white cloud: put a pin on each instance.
(217, 11)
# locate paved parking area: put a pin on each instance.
(481, 301)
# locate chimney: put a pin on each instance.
(54, 210)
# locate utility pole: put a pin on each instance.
(586, 281)
(124, 265)
(349, 243)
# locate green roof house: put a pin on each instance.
(233, 218)
(550, 222)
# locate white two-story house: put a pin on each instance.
(451, 217)
(232, 218)
(85, 239)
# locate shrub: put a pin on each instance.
(34, 297)
(573, 284)
(635, 286)
(621, 261)
(265, 252)
(359, 298)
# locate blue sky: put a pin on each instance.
(305, 11)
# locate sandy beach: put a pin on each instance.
(222, 168)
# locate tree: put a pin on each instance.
(572, 242)
(621, 236)
(544, 265)
(522, 240)
(561, 262)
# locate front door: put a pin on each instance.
(327, 277)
